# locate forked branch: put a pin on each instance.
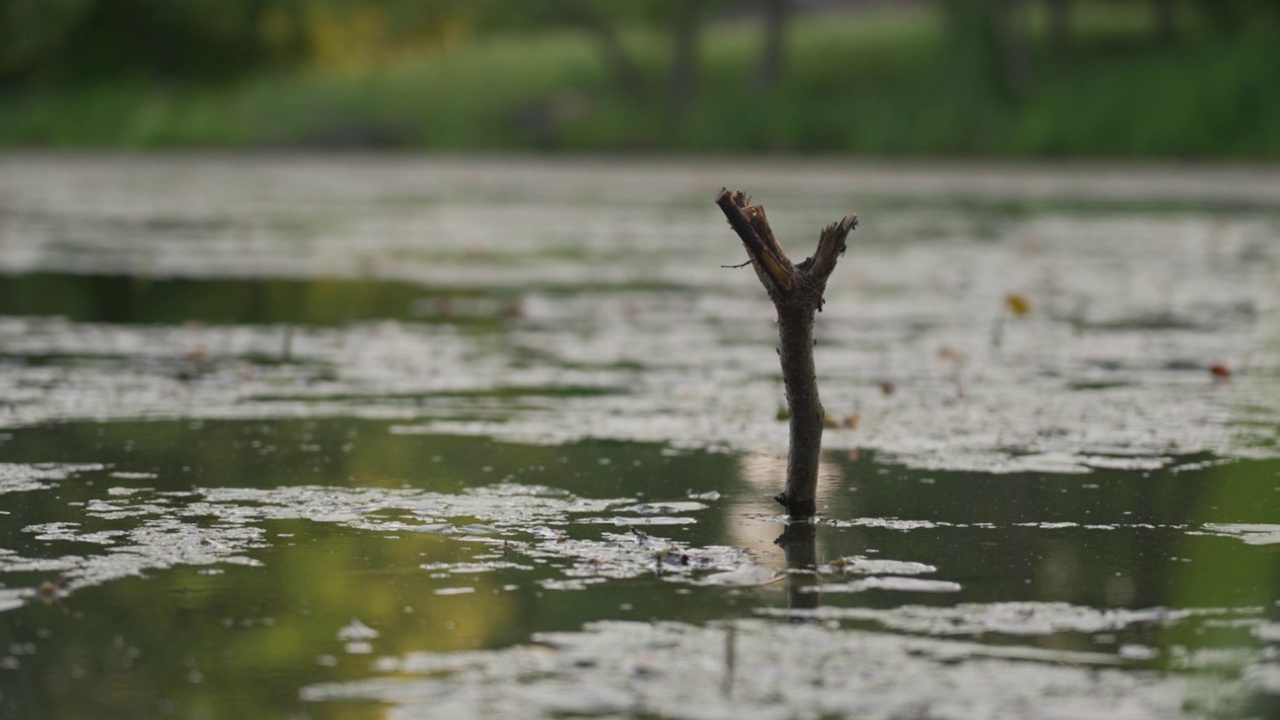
(796, 291)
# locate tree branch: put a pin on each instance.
(796, 291)
(771, 263)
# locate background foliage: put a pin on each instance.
(1181, 78)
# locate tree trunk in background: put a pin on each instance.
(1233, 17)
(1166, 20)
(769, 69)
(1013, 44)
(684, 62)
(1059, 18)
(989, 54)
(625, 72)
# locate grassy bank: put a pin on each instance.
(866, 83)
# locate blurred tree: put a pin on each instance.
(1234, 16)
(87, 40)
(1013, 42)
(1165, 17)
(598, 19)
(988, 46)
(73, 41)
(32, 32)
(683, 21)
(687, 23)
(769, 69)
(348, 33)
(1059, 21)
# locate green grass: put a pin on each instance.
(869, 83)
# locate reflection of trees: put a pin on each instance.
(260, 631)
(125, 299)
(1227, 571)
(211, 645)
(984, 530)
(214, 644)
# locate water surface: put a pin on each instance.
(366, 437)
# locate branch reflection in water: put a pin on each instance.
(756, 516)
(799, 547)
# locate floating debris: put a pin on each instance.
(356, 630)
(779, 670)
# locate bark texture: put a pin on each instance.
(796, 290)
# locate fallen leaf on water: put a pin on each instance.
(1017, 304)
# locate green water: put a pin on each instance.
(169, 608)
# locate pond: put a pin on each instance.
(355, 436)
